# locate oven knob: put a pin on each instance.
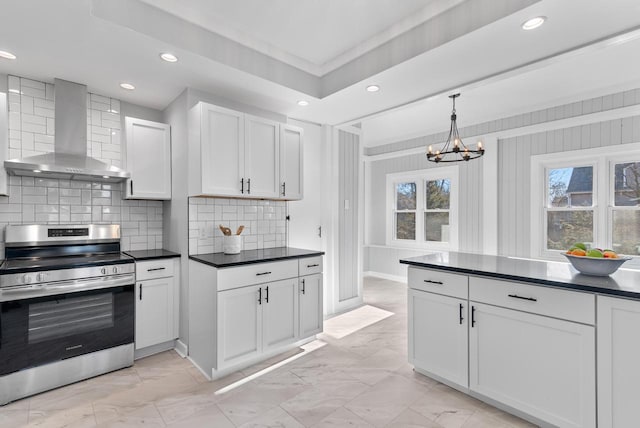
(27, 279)
(115, 269)
(103, 271)
(41, 277)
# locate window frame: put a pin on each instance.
(603, 160)
(420, 177)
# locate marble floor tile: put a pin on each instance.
(13, 417)
(343, 418)
(209, 417)
(146, 416)
(412, 419)
(275, 417)
(74, 417)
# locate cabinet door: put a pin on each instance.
(542, 366)
(154, 312)
(222, 149)
(261, 157)
(311, 313)
(618, 358)
(291, 162)
(279, 313)
(438, 335)
(239, 325)
(148, 159)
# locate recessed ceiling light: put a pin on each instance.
(373, 88)
(7, 55)
(169, 57)
(533, 23)
(36, 170)
(303, 103)
(112, 111)
(127, 86)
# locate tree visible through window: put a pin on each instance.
(423, 208)
(406, 203)
(436, 216)
(569, 209)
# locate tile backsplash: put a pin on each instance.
(265, 224)
(35, 200)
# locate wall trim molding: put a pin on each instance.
(382, 275)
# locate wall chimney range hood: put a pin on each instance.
(69, 160)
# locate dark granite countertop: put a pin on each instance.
(221, 260)
(624, 282)
(140, 255)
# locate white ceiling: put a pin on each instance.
(489, 63)
(315, 35)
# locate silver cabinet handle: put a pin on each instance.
(154, 269)
(313, 265)
(433, 282)
(263, 273)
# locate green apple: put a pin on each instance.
(595, 253)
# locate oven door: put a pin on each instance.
(39, 330)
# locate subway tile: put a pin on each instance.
(33, 92)
(43, 103)
(43, 112)
(33, 127)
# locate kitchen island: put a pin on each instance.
(535, 338)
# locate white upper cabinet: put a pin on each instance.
(291, 161)
(148, 159)
(222, 151)
(261, 157)
(239, 155)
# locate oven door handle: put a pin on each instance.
(90, 283)
(71, 286)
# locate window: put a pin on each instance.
(594, 198)
(423, 208)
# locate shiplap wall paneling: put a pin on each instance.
(514, 203)
(348, 229)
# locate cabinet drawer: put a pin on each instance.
(563, 304)
(257, 273)
(448, 284)
(154, 269)
(309, 265)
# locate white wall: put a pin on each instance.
(306, 215)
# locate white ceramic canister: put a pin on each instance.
(232, 244)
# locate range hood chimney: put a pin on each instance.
(69, 159)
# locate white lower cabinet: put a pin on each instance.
(527, 347)
(618, 362)
(242, 314)
(279, 314)
(239, 325)
(539, 365)
(156, 294)
(438, 335)
(311, 312)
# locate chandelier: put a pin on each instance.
(454, 149)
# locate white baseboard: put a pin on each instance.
(385, 276)
(204, 373)
(154, 349)
(181, 348)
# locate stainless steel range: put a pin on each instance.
(66, 306)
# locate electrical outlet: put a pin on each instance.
(202, 232)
